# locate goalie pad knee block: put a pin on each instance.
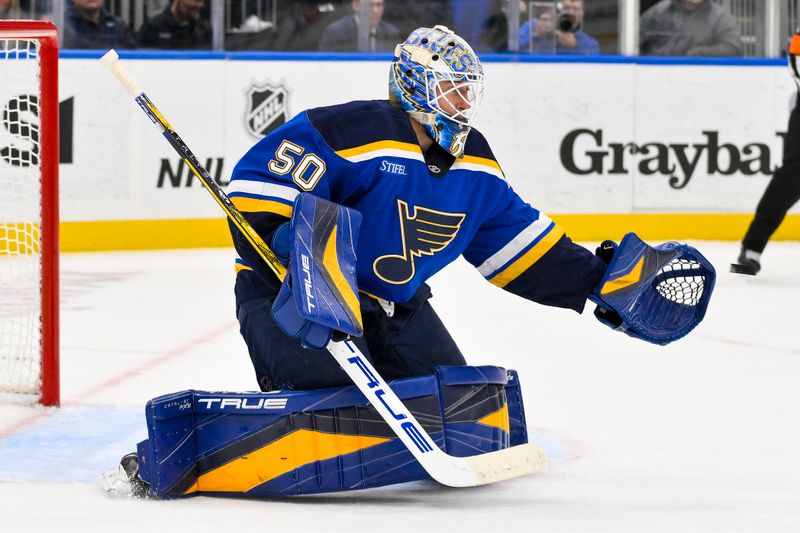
(658, 294)
(320, 294)
(304, 442)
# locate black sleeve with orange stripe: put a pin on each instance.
(563, 277)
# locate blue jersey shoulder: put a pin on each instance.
(360, 123)
(478, 146)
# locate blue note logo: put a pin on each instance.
(425, 232)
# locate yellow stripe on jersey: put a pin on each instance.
(385, 148)
(377, 146)
(512, 271)
(279, 457)
(257, 205)
(475, 160)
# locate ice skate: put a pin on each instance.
(125, 480)
(748, 263)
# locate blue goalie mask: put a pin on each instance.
(438, 79)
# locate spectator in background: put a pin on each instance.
(9, 9)
(87, 24)
(689, 28)
(408, 16)
(37, 9)
(178, 27)
(470, 18)
(342, 35)
(565, 35)
(299, 27)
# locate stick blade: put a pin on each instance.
(506, 464)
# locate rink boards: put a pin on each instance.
(679, 149)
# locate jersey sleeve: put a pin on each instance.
(523, 251)
(267, 179)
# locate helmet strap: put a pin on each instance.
(426, 119)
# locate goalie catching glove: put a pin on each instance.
(657, 294)
(319, 296)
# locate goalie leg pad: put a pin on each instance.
(657, 294)
(304, 442)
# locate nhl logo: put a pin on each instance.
(266, 108)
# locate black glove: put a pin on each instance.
(607, 316)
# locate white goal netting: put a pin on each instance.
(20, 218)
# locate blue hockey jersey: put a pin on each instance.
(417, 218)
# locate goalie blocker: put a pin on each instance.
(304, 442)
(319, 295)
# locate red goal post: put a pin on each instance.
(29, 142)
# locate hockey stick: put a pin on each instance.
(446, 469)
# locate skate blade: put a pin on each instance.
(747, 270)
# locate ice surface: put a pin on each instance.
(699, 436)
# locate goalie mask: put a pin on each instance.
(438, 79)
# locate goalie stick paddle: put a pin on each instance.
(446, 469)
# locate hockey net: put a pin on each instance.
(29, 211)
